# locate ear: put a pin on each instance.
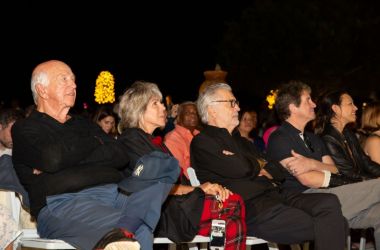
(211, 112)
(41, 91)
(335, 108)
(292, 108)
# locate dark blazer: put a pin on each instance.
(238, 170)
(339, 146)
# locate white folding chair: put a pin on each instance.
(30, 237)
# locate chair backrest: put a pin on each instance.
(193, 177)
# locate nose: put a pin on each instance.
(313, 104)
(72, 84)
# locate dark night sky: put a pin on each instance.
(170, 45)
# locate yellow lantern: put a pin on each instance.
(105, 88)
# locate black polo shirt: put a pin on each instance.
(287, 138)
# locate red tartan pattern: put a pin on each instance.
(233, 212)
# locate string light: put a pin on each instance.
(105, 88)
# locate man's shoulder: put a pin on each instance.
(21, 124)
(279, 133)
(199, 137)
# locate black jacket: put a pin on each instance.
(72, 156)
(340, 145)
(181, 214)
(238, 170)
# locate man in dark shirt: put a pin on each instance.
(309, 165)
(281, 217)
(70, 168)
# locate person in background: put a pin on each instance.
(247, 126)
(279, 216)
(310, 168)
(188, 210)
(8, 116)
(178, 140)
(370, 127)
(71, 170)
(106, 119)
(270, 124)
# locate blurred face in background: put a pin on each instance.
(5, 135)
(248, 122)
(188, 117)
(107, 124)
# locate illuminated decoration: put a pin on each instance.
(271, 98)
(105, 89)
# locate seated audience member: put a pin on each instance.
(370, 126)
(310, 167)
(178, 140)
(247, 126)
(283, 217)
(71, 168)
(106, 119)
(188, 210)
(336, 110)
(7, 118)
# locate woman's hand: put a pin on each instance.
(222, 193)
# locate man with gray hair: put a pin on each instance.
(219, 155)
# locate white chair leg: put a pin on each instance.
(362, 243)
(192, 246)
(172, 246)
(272, 246)
(203, 246)
(349, 242)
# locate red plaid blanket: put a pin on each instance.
(233, 212)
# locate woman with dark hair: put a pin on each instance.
(247, 126)
(189, 210)
(336, 109)
(106, 119)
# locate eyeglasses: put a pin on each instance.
(232, 102)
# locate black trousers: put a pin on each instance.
(297, 218)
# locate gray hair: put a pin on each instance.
(207, 97)
(183, 104)
(133, 103)
(40, 77)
